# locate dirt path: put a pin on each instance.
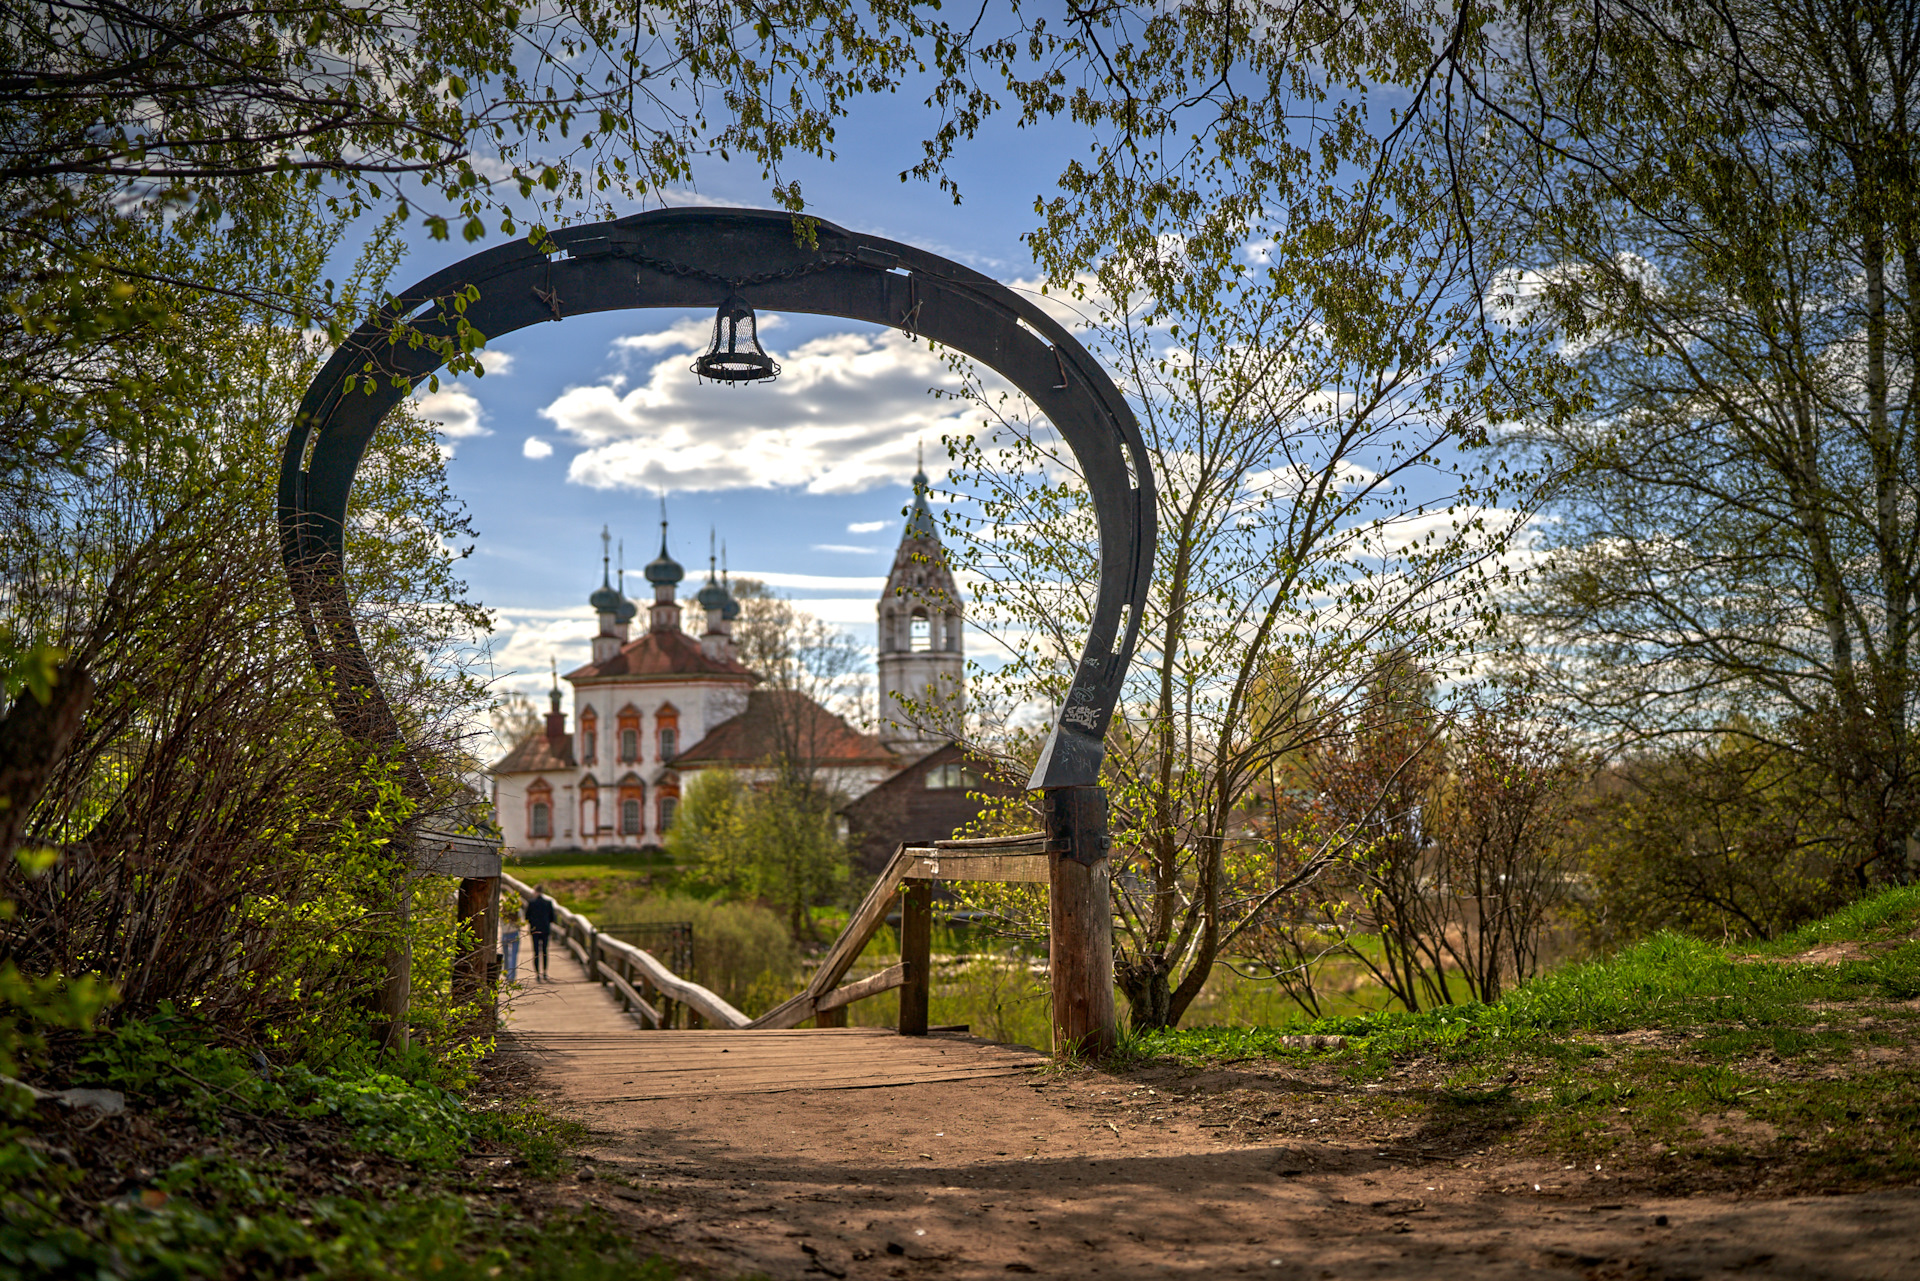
(1086, 1174)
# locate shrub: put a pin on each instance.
(743, 951)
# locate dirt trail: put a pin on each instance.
(1089, 1175)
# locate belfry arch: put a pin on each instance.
(688, 259)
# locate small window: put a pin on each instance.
(629, 744)
(540, 823)
(630, 817)
(668, 805)
(589, 753)
(922, 634)
(669, 742)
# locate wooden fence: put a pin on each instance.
(663, 999)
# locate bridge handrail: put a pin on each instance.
(1020, 858)
(581, 935)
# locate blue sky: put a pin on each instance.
(579, 425)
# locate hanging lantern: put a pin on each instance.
(735, 355)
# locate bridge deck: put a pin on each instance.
(592, 1052)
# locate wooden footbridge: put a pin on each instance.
(594, 1025)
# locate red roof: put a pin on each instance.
(778, 722)
(533, 754)
(662, 656)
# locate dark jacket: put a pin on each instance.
(540, 914)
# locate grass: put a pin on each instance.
(585, 880)
(368, 1166)
(1692, 1063)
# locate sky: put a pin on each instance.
(582, 425)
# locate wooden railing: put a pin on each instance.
(662, 999)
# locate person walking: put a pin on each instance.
(539, 928)
(509, 935)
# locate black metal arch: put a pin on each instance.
(692, 258)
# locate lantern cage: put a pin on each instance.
(735, 354)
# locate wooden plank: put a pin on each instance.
(1080, 922)
(885, 981)
(916, 954)
(1028, 868)
(988, 844)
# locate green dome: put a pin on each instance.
(664, 569)
(713, 596)
(605, 600)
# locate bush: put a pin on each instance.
(743, 951)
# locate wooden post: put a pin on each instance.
(473, 908)
(916, 953)
(835, 1017)
(1080, 921)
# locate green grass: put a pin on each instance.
(1690, 1061)
(584, 880)
(352, 1168)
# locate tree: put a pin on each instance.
(1288, 301)
(1716, 206)
(1500, 823)
(772, 831)
(217, 842)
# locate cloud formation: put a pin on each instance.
(536, 448)
(867, 526)
(844, 417)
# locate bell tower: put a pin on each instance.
(923, 660)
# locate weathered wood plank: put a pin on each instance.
(885, 981)
(939, 865)
(988, 844)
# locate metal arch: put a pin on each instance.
(692, 258)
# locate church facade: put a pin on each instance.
(652, 710)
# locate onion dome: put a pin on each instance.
(605, 600)
(625, 611)
(663, 570)
(713, 595)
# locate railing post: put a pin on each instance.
(1080, 921)
(916, 953)
(474, 909)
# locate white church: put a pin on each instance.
(651, 711)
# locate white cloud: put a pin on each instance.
(497, 363)
(848, 548)
(818, 582)
(844, 417)
(536, 448)
(454, 409)
(867, 526)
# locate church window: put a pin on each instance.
(667, 728)
(668, 806)
(922, 632)
(953, 633)
(539, 811)
(629, 735)
(589, 737)
(589, 808)
(630, 817)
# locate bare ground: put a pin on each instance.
(1271, 1169)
